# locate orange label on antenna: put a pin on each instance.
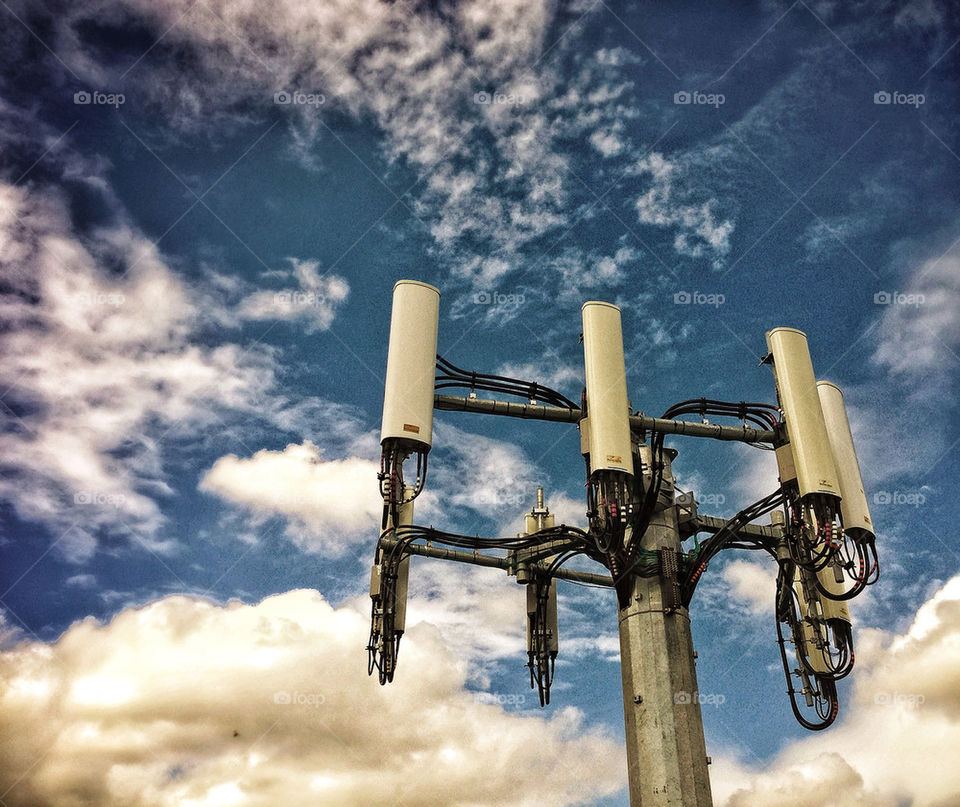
(409, 427)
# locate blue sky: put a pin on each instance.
(203, 210)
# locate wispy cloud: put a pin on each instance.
(919, 334)
(314, 301)
(669, 202)
(100, 363)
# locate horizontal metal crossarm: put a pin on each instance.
(488, 406)
(479, 559)
(545, 550)
(712, 524)
(559, 414)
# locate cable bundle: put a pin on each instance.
(452, 376)
(384, 642)
(728, 537)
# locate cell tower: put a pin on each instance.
(820, 533)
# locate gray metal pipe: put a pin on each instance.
(445, 553)
(559, 414)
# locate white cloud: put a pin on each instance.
(825, 238)
(603, 646)
(491, 478)
(925, 14)
(757, 477)
(183, 702)
(329, 502)
(481, 616)
(607, 143)
(315, 301)
(753, 583)
(91, 358)
(916, 338)
(824, 781)
(82, 581)
(500, 174)
(412, 72)
(567, 509)
(564, 378)
(919, 334)
(739, 591)
(480, 613)
(581, 273)
(890, 454)
(898, 740)
(596, 104)
(98, 365)
(669, 203)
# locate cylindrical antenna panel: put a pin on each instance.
(797, 392)
(606, 377)
(853, 505)
(411, 362)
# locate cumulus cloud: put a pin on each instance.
(597, 103)
(333, 502)
(916, 348)
(92, 356)
(603, 646)
(329, 502)
(739, 592)
(480, 613)
(184, 702)
(757, 475)
(824, 780)
(82, 581)
(581, 272)
(607, 143)
(898, 742)
(752, 583)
